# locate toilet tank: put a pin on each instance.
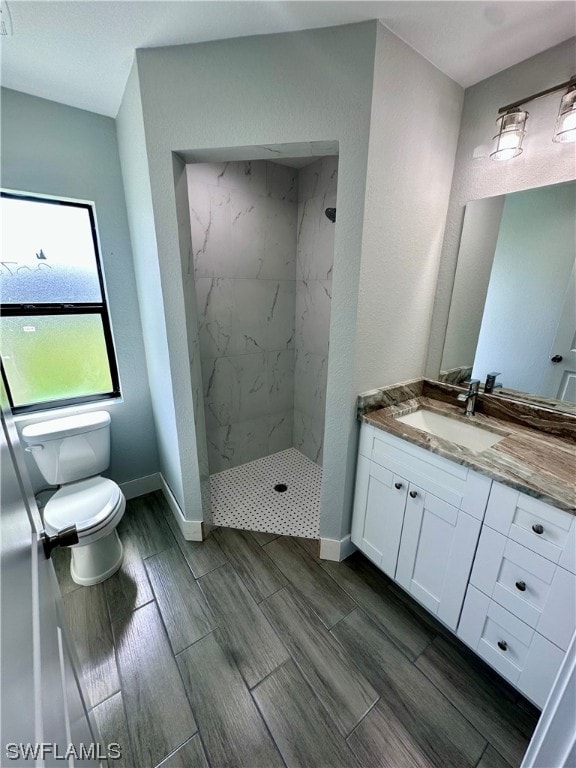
(71, 448)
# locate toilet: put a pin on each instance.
(71, 452)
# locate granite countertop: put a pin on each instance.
(537, 462)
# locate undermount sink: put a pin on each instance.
(467, 435)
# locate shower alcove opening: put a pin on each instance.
(263, 252)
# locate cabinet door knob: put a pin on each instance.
(398, 485)
(503, 645)
(521, 585)
(538, 528)
(413, 494)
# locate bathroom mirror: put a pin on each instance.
(513, 307)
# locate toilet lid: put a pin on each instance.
(86, 504)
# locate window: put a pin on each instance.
(55, 338)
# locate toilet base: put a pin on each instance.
(97, 561)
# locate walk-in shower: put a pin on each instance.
(263, 255)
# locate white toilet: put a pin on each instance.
(70, 452)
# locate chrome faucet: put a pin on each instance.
(470, 397)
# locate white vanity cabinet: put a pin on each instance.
(495, 565)
(520, 608)
(418, 516)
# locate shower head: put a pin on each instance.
(331, 213)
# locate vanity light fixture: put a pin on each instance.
(566, 122)
(508, 140)
(512, 121)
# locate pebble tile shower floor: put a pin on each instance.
(244, 497)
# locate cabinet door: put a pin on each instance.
(436, 553)
(378, 514)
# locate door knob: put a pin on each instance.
(413, 494)
(64, 538)
(538, 528)
(556, 359)
(521, 586)
(503, 645)
(398, 485)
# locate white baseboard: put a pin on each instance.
(141, 485)
(190, 529)
(336, 549)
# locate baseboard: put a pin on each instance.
(141, 485)
(336, 549)
(190, 529)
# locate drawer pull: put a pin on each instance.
(521, 585)
(398, 485)
(538, 528)
(503, 645)
(413, 494)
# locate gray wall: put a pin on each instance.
(243, 224)
(53, 149)
(477, 176)
(301, 87)
(413, 135)
(131, 142)
(317, 187)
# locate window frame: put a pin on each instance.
(60, 309)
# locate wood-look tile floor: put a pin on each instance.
(248, 651)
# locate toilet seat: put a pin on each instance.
(94, 506)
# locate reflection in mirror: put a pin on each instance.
(513, 306)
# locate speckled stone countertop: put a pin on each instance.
(536, 456)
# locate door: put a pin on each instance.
(43, 709)
(378, 514)
(560, 378)
(436, 553)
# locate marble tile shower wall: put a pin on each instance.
(243, 218)
(317, 185)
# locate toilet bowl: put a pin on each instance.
(70, 452)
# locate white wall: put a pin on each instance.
(132, 148)
(413, 135)
(542, 162)
(299, 87)
(52, 149)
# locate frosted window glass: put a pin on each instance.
(54, 357)
(47, 254)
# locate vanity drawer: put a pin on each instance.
(521, 655)
(447, 480)
(534, 589)
(532, 523)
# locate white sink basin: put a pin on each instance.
(467, 435)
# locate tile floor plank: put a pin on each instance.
(232, 729)
(299, 724)
(368, 587)
(507, 726)
(89, 624)
(143, 530)
(247, 633)
(312, 546)
(382, 741)
(201, 556)
(127, 589)
(252, 564)
(436, 727)
(113, 728)
(344, 692)
(61, 561)
(320, 591)
(492, 759)
(186, 614)
(157, 710)
(262, 538)
(189, 755)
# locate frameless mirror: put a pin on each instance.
(513, 308)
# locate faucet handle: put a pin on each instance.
(491, 381)
(473, 384)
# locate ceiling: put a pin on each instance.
(80, 52)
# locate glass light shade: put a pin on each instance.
(508, 140)
(566, 122)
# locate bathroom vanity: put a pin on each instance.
(483, 537)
